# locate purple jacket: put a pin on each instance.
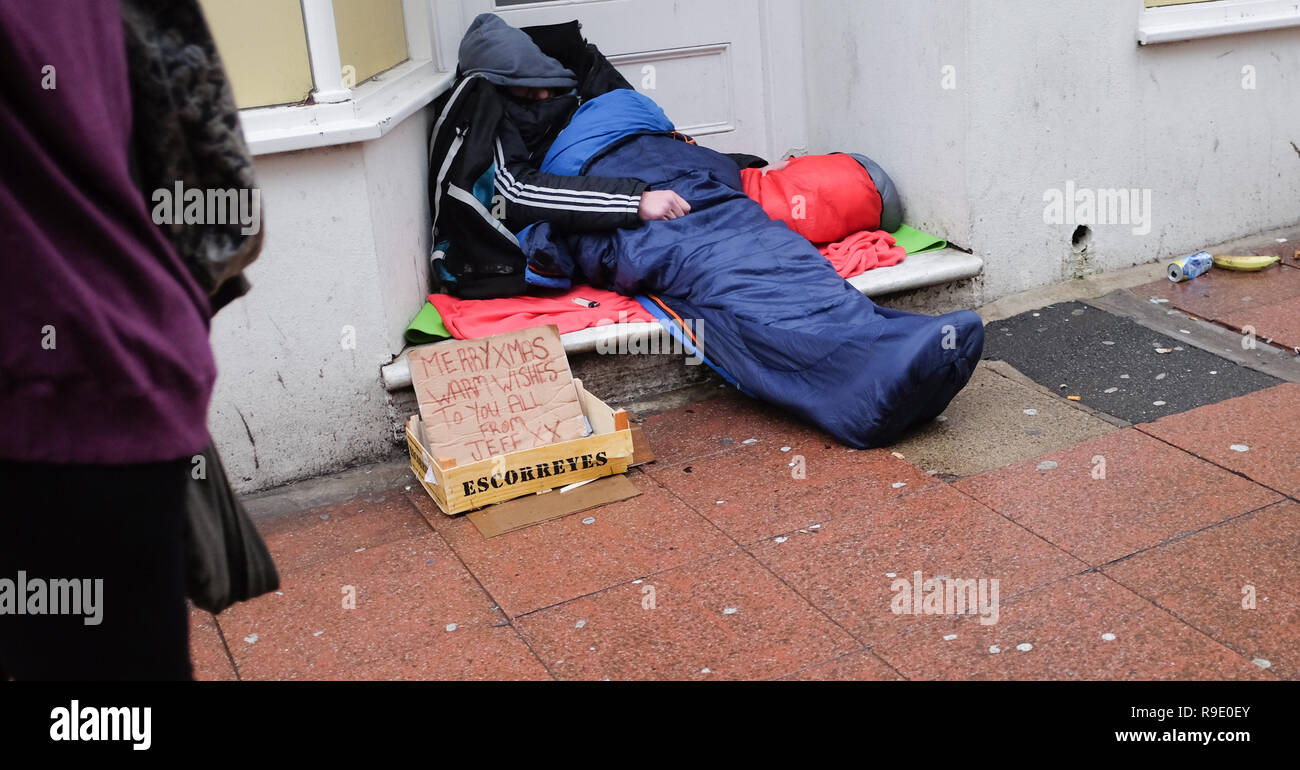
(104, 355)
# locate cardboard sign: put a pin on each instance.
(486, 397)
(534, 509)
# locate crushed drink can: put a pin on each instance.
(1187, 268)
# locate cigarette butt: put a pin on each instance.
(1075, 398)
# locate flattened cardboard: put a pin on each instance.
(487, 397)
(534, 509)
(641, 452)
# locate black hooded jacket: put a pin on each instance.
(555, 57)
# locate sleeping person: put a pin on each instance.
(540, 94)
(776, 319)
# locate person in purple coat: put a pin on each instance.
(105, 365)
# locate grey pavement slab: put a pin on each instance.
(996, 421)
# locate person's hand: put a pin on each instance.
(662, 204)
(780, 164)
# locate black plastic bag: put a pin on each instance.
(226, 559)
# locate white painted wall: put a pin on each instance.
(1050, 92)
(346, 232)
(873, 72)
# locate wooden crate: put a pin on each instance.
(459, 488)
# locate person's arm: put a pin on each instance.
(573, 203)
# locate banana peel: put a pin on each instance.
(1250, 263)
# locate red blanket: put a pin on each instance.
(469, 318)
(862, 251)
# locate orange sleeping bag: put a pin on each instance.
(822, 197)
(833, 201)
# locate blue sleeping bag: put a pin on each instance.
(768, 309)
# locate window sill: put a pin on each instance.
(375, 107)
(1189, 22)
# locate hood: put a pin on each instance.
(506, 56)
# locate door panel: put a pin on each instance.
(706, 108)
(703, 62)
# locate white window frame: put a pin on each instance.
(335, 114)
(1171, 23)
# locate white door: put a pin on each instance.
(727, 72)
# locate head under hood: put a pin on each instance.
(506, 56)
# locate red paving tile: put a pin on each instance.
(792, 608)
(1151, 492)
(761, 498)
(481, 654)
(1265, 422)
(320, 534)
(721, 424)
(1064, 624)
(1205, 578)
(723, 619)
(429, 510)
(564, 558)
(407, 594)
(207, 652)
(1221, 293)
(847, 566)
(1278, 322)
(862, 666)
